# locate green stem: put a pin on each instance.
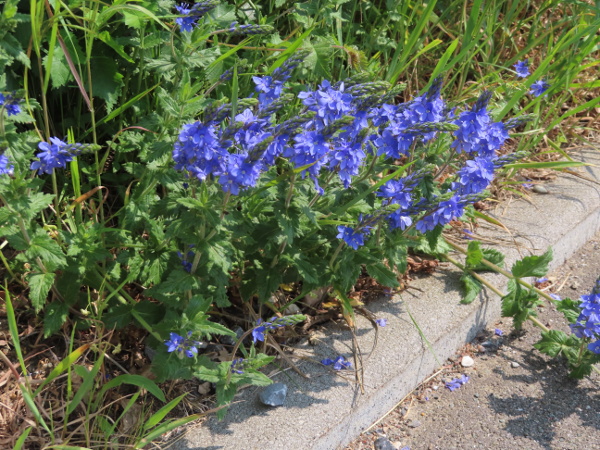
(501, 271)
(335, 254)
(493, 288)
(56, 200)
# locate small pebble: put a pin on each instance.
(415, 424)
(476, 395)
(514, 364)
(274, 394)
(467, 361)
(384, 443)
(539, 189)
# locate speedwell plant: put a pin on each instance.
(173, 207)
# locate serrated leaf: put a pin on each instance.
(207, 328)
(532, 266)
(178, 281)
(493, 256)
(151, 312)
(106, 80)
(44, 247)
(580, 371)
(55, 314)
(117, 316)
(552, 343)
(383, 275)
(39, 287)
(474, 254)
(569, 308)
(472, 288)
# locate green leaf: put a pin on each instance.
(44, 247)
(383, 275)
(118, 316)
(532, 266)
(106, 80)
(151, 312)
(167, 366)
(159, 415)
(178, 281)
(39, 287)
(55, 314)
(207, 328)
(208, 372)
(569, 308)
(474, 254)
(225, 394)
(472, 288)
(493, 256)
(553, 343)
(135, 380)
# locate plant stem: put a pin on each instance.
(501, 271)
(493, 288)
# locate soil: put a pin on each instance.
(516, 397)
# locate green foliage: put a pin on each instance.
(102, 236)
(227, 382)
(532, 266)
(557, 343)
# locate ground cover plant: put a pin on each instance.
(177, 180)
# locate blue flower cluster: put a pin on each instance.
(539, 88)
(193, 13)
(5, 167)
(457, 382)
(339, 126)
(238, 365)
(236, 28)
(183, 345)
(587, 325)
(10, 103)
(338, 363)
(262, 328)
(186, 260)
(522, 68)
(55, 155)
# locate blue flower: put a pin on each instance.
(235, 28)
(339, 363)
(588, 322)
(175, 342)
(538, 88)
(351, 237)
(186, 261)
(11, 104)
(522, 68)
(259, 331)
(192, 14)
(181, 345)
(556, 297)
(5, 168)
(594, 347)
(457, 382)
(237, 366)
(55, 155)
(475, 176)
(498, 332)
(262, 328)
(381, 322)
(442, 215)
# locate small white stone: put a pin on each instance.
(514, 364)
(467, 361)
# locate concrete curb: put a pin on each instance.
(328, 410)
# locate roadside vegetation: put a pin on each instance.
(187, 188)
